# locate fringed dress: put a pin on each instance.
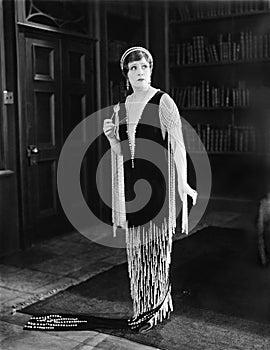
(149, 230)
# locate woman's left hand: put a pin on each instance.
(194, 195)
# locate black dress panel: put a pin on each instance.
(150, 164)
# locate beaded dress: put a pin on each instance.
(149, 231)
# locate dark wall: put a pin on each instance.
(9, 207)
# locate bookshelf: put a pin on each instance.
(193, 11)
(219, 76)
(126, 25)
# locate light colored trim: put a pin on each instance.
(54, 30)
(6, 173)
(20, 10)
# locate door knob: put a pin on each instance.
(32, 152)
(32, 149)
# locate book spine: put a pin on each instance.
(215, 53)
(202, 48)
(215, 140)
(255, 47)
(220, 46)
(207, 137)
(207, 94)
(184, 53)
(246, 43)
(199, 96)
(195, 49)
(221, 141)
(203, 94)
(229, 138)
(198, 146)
(250, 43)
(246, 139)
(207, 51)
(211, 141)
(241, 140)
(265, 45)
(242, 45)
(222, 96)
(260, 46)
(235, 139)
(229, 47)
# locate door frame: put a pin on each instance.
(26, 236)
(3, 113)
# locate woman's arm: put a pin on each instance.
(109, 131)
(115, 145)
(171, 122)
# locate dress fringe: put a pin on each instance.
(149, 257)
(118, 192)
(118, 189)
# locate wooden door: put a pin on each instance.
(43, 134)
(78, 91)
(56, 85)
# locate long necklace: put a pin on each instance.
(132, 136)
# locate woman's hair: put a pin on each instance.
(135, 56)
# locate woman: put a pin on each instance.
(147, 114)
(149, 117)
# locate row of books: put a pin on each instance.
(199, 10)
(115, 49)
(229, 47)
(230, 139)
(205, 95)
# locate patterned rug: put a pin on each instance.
(221, 295)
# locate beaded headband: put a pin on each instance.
(132, 49)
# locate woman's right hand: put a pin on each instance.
(108, 128)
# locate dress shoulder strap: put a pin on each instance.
(156, 98)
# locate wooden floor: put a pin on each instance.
(51, 267)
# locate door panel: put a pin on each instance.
(47, 198)
(57, 86)
(78, 93)
(44, 61)
(78, 83)
(45, 110)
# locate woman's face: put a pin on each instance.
(139, 74)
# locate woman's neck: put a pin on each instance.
(140, 93)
